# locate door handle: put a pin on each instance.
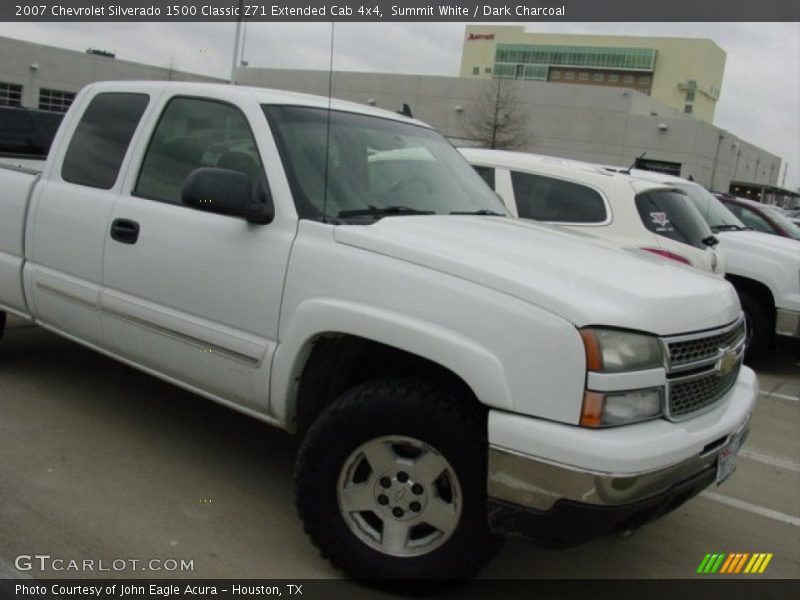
(125, 231)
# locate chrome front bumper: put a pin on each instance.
(787, 322)
(534, 483)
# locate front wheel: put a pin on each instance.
(391, 482)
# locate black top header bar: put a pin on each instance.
(401, 10)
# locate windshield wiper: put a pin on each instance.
(717, 228)
(482, 211)
(383, 211)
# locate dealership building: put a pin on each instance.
(607, 124)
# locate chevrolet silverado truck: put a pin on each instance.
(764, 268)
(455, 375)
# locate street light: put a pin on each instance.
(235, 61)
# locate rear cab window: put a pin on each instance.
(98, 145)
(671, 213)
(557, 201)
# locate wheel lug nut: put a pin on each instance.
(383, 500)
(397, 512)
(385, 482)
(415, 506)
(402, 477)
(417, 489)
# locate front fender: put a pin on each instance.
(479, 368)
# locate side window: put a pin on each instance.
(673, 215)
(751, 218)
(548, 199)
(98, 146)
(486, 173)
(194, 133)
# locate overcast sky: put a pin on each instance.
(760, 99)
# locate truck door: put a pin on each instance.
(195, 295)
(70, 215)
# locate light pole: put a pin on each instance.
(716, 159)
(235, 60)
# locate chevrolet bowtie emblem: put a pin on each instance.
(727, 362)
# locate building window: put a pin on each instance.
(555, 74)
(598, 77)
(487, 69)
(583, 77)
(687, 109)
(55, 100)
(569, 76)
(613, 78)
(628, 79)
(476, 70)
(10, 94)
(690, 96)
(644, 79)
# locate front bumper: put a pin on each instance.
(559, 485)
(787, 322)
(569, 522)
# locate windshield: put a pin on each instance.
(373, 167)
(781, 219)
(718, 217)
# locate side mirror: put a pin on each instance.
(227, 192)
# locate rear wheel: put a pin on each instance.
(391, 482)
(759, 326)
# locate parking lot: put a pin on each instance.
(101, 461)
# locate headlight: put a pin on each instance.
(612, 351)
(605, 409)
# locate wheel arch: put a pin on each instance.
(755, 288)
(315, 362)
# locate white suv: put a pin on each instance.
(612, 206)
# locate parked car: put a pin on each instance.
(764, 268)
(794, 215)
(586, 198)
(26, 135)
(761, 217)
(454, 375)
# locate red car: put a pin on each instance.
(761, 217)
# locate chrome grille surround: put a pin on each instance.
(701, 368)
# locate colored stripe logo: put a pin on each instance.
(735, 563)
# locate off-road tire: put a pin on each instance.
(443, 417)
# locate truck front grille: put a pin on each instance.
(687, 397)
(702, 368)
(687, 351)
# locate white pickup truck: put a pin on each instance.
(455, 375)
(764, 269)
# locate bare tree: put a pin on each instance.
(498, 118)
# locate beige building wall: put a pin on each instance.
(678, 61)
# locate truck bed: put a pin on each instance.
(16, 188)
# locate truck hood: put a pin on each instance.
(762, 244)
(560, 271)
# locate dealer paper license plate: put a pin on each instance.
(726, 462)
